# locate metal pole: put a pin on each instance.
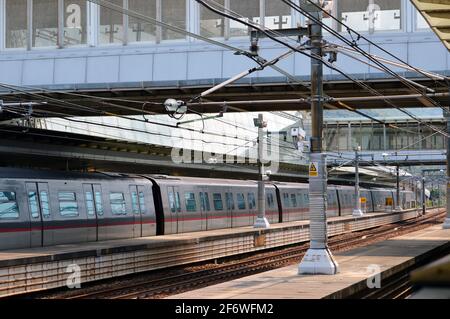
(397, 195)
(261, 220)
(423, 193)
(446, 224)
(318, 259)
(357, 211)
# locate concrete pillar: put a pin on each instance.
(261, 221)
(318, 259)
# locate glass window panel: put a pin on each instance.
(142, 202)
(354, 14)
(217, 199)
(16, 23)
(138, 30)
(171, 202)
(286, 200)
(230, 201)
(34, 208)
(204, 199)
(117, 201)
(75, 22)
(173, 13)
(8, 206)
(111, 24)
(421, 23)
(177, 201)
(134, 203)
(45, 23)
(387, 14)
(68, 208)
(363, 16)
(278, 15)
(251, 201)
(99, 203)
(331, 138)
(90, 203)
(343, 137)
(248, 9)
(293, 200)
(45, 205)
(270, 201)
(191, 205)
(240, 200)
(212, 25)
(67, 204)
(66, 196)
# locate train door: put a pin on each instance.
(205, 207)
(40, 215)
(172, 222)
(94, 209)
(230, 206)
(138, 206)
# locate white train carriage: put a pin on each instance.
(196, 204)
(42, 208)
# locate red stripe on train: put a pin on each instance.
(22, 229)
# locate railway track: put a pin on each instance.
(176, 283)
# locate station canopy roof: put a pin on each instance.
(437, 14)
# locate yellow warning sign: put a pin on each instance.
(313, 169)
(363, 200)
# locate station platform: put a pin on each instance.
(35, 269)
(356, 266)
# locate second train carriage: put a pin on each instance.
(42, 208)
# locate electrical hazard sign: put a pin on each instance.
(313, 169)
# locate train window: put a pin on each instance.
(171, 202)
(45, 206)
(99, 203)
(230, 201)
(240, 200)
(251, 201)
(67, 204)
(293, 200)
(217, 200)
(117, 201)
(134, 203)
(204, 200)
(299, 199)
(90, 203)
(177, 202)
(286, 202)
(270, 201)
(191, 205)
(142, 202)
(8, 206)
(33, 203)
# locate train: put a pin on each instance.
(43, 208)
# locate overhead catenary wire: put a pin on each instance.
(354, 45)
(115, 7)
(361, 36)
(312, 56)
(373, 91)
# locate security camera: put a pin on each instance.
(173, 106)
